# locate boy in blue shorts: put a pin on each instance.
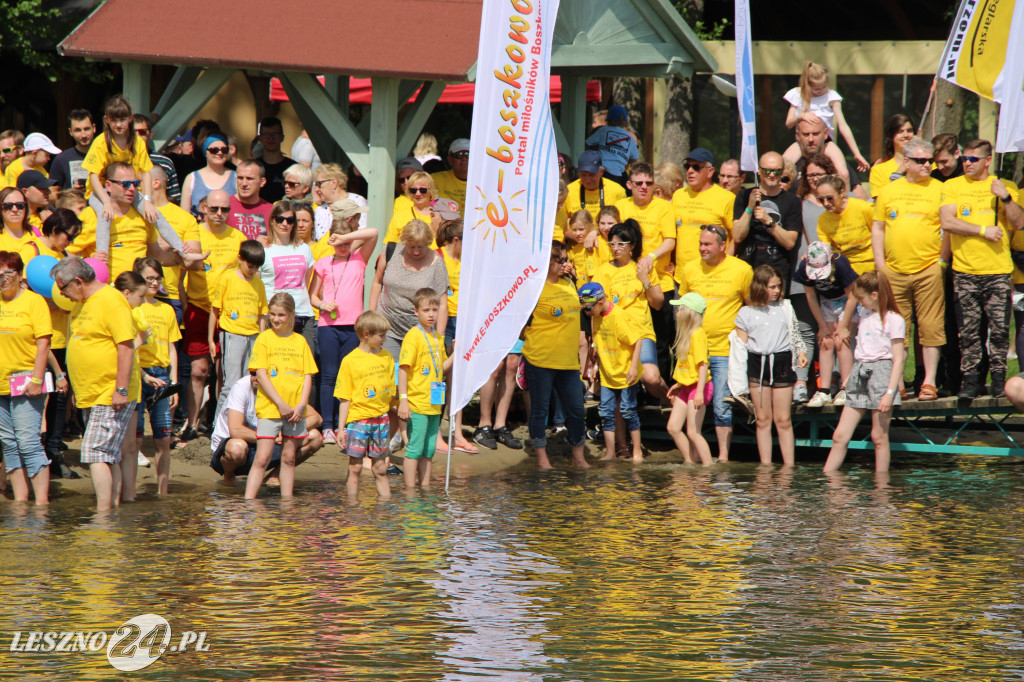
(366, 386)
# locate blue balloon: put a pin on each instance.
(37, 274)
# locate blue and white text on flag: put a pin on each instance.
(511, 189)
(745, 87)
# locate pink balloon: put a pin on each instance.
(102, 273)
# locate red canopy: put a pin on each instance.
(361, 91)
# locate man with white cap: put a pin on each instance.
(616, 145)
(452, 183)
(38, 152)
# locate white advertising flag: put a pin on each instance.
(745, 87)
(985, 54)
(511, 190)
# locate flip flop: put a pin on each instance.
(467, 447)
(441, 448)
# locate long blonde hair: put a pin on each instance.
(688, 321)
(815, 72)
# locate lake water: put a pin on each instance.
(663, 572)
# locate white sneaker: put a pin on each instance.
(396, 442)
(330, 438)
(840, 398)
(800, 393)
(143, 462)
(819, 399)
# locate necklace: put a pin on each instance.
(334, 313)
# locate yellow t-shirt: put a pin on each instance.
(59, 319)
(424, 355)
(22, 321)
(686, 369)
(552, 337)
(97, 326)
(657, 223)
(850, 233)
(163, 326)
(8, 242)
(400, 219)
(130, 236)
(713, 206)
(99, 157)
(626, 291)
(142, 330)
(881, 175)
(975, 204)
(181, 220)
(241, 304)
(450, 187)
(910, 212)
(16, 168)
(561, 222)
(367, 381)
(615, 336)
(201, 285)
(454, 266)
(583, 261)
(287, 360)
(613, 194)
(724, 288)
(602, 252)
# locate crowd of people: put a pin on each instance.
(224, 294)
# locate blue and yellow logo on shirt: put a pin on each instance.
(964, 210)
(892, 213)
(425, 370)
(273, 370)
(370, 392)
(556, 311)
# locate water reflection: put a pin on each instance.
(668, 572)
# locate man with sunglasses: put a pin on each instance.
(908, 246)
(250, 213)
(11, 142)
(129, 231)
(699, 202)
(980, 213)
(36, 188)
(66, 168)
(452, 183)
(768, 221)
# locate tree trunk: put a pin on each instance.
(629, 92)
(946, 114)
(675, 137)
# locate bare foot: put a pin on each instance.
(544, 465)
(638, 458)
(580, 462)
(610, 457)
(273, 482)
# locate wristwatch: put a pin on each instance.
(123, 392)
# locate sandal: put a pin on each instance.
(467, 447)
(441, 448)
(928, 392)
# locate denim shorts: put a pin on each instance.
(160, 415)
(648, 352)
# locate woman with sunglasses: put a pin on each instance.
(421, 191)
(633, 289)
(330, 185)
(288, 268)
(16, 233)
(214, 175)
(24, 347)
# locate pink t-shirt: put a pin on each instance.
(343, 284)
(874, 342)
(251, 220)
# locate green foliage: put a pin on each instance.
(693, 15)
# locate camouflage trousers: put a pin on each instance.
(982, 299)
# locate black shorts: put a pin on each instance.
(775, 370)
(243, 470)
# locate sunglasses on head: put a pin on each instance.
(418, 190)
(14, 205)
(720, 231)
(218, 209)
(127, 184)
(287, 220)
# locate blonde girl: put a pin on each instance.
(133, 286)
(769, 328)
(284, 369)
(692, 391)
(877, 369)
(607, 218)
(580, 225)
(815, 98)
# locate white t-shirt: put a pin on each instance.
(241, 398)
(322, 217)
(821, 107)
(284, 271)
(303, 151)
(767, 328)
(874, 342)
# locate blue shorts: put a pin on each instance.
(367, 438)
(449, 332)
(160, 414)
(648, 352)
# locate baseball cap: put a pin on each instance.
(458, 145)
(819, 261)
(691, 300)
(33, 178)
(408, 163)
(701, 154)
(36, 141)
(346, 208)
(590, 162)
(591, 293)
(617, 114)
(447, 208)
(186, 137)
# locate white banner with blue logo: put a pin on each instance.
(512, 189)
(745, 87)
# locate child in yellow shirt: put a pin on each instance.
(421, 387)
(366, 385)
(284, 369)
(692, 392)
(239, 308)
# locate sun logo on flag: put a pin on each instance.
(497, 217)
